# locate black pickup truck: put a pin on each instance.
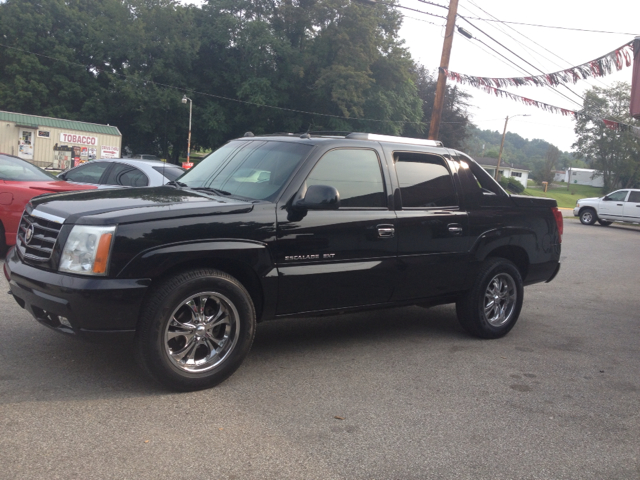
(275, 226)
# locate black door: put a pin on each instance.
(432, 230)
(339, 258)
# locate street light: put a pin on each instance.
(502, 144)
(184, 100)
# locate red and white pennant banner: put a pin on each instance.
(599, 67)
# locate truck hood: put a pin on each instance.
(590, 199)
(119, 206)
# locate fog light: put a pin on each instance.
(64, 321)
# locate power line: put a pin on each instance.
(532, 41)
(424, 21)
(551, 26)
(527, 62)
(502, 31)
(565, 86)
(471, 42)
(395, 5)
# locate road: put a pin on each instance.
(395, 394)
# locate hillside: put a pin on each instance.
(517, 150)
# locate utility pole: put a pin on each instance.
(434, 127)
(504, 133)
(184, 100)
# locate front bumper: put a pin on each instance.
(576, 211)
(83, 306)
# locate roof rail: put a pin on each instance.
(389, 138)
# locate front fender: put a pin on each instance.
(249, 261)
(152, 263)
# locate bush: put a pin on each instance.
(511, 185)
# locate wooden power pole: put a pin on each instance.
(434, 128)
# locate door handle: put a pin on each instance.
(386, 231)
(455, 228)
(619, 204)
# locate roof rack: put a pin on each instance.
(389, 138)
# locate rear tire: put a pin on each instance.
(195, 330)
(588, 216)
(604, 223)
(492, 306)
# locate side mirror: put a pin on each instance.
(606, 199)
(62, 176)
(318, 197)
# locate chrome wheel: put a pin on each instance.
(500, 299)
(587, 217)
(202, 332)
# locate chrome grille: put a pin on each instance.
(42, 238)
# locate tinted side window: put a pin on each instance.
(424, 180)
(355, 174)
(127, 176)
(89, 173)
(634, 197)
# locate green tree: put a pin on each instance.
(615, 154)
(455, 120)
(334, 57)
(543, 169)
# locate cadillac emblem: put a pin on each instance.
(28, 235)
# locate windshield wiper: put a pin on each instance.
(176, 183)
(212, 190)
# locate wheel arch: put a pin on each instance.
(515, 254)
(249, 262)
(509, 243)
(588, 207)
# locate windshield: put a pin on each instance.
(14, 169)
(252, 169)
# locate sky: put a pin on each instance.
(548, 49)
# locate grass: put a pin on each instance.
(566, 197)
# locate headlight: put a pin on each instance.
(87, 250)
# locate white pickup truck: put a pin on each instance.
(618, 206)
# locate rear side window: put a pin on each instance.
(127, 176)
(89, 173)
(425, 181)
(355, 174)
(634, 197)
(170, 172)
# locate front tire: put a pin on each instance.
(196, 329)
(492, 306)
(588, 216)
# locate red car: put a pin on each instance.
(20, 181)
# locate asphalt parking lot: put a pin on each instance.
(395, 394)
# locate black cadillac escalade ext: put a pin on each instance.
(275, 226)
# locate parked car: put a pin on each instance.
(283, 226)
(19, 182)
(123, 172)
(619, 206)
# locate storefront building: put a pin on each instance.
(56, 143)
